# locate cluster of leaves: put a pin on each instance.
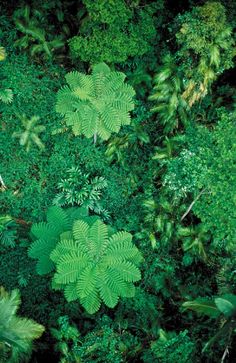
(8, 231)
(205, 170)
(79, 189)
(6, 94)
(112, 31)
(29, 22)
(104, 344)
(205, 50)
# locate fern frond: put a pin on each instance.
(126, 270)
(6, 95)
(71, 292)
(69, 267)
(48, 234)
(58, 218)
(64, 247)
(92, 302)
(109, 297)
(98, 233)
(87, 281)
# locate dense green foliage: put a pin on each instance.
(117, 181)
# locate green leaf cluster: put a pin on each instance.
(115, 30)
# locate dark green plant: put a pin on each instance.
(97, 104)
(205, 40)
(195, 241)
(168, 87)
(35, 37)
(16, 333)
(204, 174)
(222, 306)
(107, 343)
(113, 31)
(94, 267)
(80, 189)
(67, 337)
(8, 231)
(172, 347)
(6, 94)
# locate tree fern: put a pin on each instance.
(96, 104)
(16, 333)
(47, 234)
(94, 267)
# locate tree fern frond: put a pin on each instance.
(9, 304)
(65, 100)
(98, 233)
(109, 297)
(64, 247)
(43, 230)
(48, 234)
(69, 267)
(86, 282)
(6, 95)
(126, 270)
(71, 292)
(58, 218)
(92, 302)
(16, 333)
(44, 264)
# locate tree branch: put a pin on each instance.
(192, 204)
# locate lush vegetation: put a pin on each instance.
(117, 181)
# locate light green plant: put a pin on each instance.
(96, 104)
(167, 94)
(205, 40)
(16, 333)
(95, 268)
(29, 135)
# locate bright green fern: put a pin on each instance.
(96, 104)
(95, 268)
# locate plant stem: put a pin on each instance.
(192, 204)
